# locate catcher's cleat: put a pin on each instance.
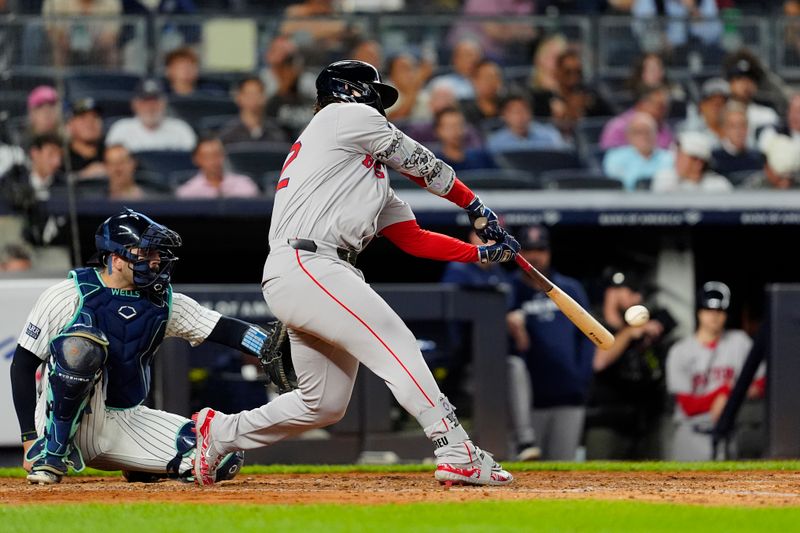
(482, 470)
(206, 458)
(47, 470)
(529, 452)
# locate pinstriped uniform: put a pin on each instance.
(138, 438)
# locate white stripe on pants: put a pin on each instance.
(335, 321)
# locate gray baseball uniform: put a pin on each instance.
(138, 438)
(334, 190)
(695, 370)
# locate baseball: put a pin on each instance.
(637, 315)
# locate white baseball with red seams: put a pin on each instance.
(334, 190)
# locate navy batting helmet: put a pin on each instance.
(121, 233)
(357, 82)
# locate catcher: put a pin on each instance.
(97, 333)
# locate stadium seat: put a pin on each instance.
(22, 81)
(579, 179)
(85, 84)
(214, 123)
(498, 178)
(14, 104)
(257, 159)
(537, 161)
(163, 163)
(193, 109)
(114, 103)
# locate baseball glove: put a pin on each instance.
(276, 358)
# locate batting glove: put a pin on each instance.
(504, 250)
(492, 231)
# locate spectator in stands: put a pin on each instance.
(701, 372)
(15, 258)
(283, 61)
(745, 73)
(628, 393)
(707, 118)
(499, 39)
(85, 130)
(451, 134)
(521, 132)
(440, 96)
(88, 42)
(558, 355)
(313, 23)
(150, 128)
(782, 165)
(655, 102)
(251, 124)
(26, 188)
(703, 28)
(44, 113)
(545, 59)
(487, 82)
(467, 53)
(213, 181)
(733, 156)
(182, 71)
(640, 159)
(121, 168)
(10, 155)
(691, 170)
(368, 50)
(649, 71)
(290, 105)
(790, 127)
(408, 76)
(573, 99)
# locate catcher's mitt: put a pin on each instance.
(276, 358)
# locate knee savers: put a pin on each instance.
(76, 361)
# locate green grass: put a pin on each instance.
(595, 466)
(545, 516)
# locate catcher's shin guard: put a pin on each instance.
(75, 364)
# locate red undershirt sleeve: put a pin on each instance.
(459, 194)
(698, 404)
(413, 240)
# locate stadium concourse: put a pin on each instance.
(658, 141)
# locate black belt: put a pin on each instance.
(310, 246)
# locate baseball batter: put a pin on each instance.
(333, 197)
(701, 371)
(97, 333)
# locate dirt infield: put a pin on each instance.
(750, 488)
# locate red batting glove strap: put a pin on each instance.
(698, 404)
(412, 239)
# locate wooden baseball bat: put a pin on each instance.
(589, 326)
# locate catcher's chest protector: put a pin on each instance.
(135, 327)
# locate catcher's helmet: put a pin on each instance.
(122, 232)
(355, 81)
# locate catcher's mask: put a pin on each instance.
(356, 82)
(147, 246)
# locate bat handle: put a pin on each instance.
(523, 263)
(480, 223)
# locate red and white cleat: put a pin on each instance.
(483, 470)
(206, 458)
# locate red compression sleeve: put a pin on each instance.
(412, 239)
(698, 404)
(459, 194)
